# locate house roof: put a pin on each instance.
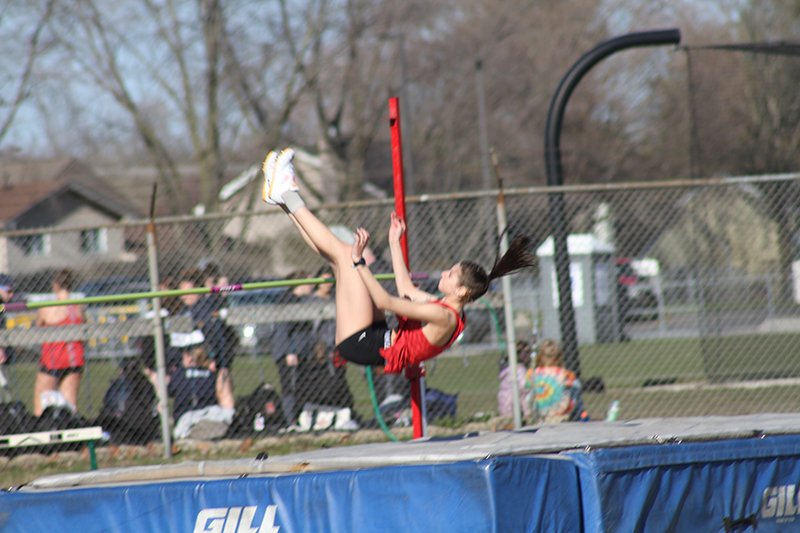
(44, 171)
(24, 186)
(137, 183)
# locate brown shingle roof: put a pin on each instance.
(24, 185)
(31, 172)
(17, 199)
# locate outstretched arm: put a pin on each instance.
(401, 306)
(152, 377)
(405, 287)
(224, 390)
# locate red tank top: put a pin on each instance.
(61, 355)
(411, 347)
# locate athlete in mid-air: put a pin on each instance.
(427, 325)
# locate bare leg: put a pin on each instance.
(305, 236)
(44, 382)
(354, 307)
(69, 387)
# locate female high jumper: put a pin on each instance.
(427, 325)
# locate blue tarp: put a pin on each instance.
(729, 485)
(520, 494)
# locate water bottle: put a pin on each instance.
(613, 411)
(259, 423)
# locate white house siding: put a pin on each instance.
(65, 249)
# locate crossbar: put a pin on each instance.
(22, 306)
(141, 326)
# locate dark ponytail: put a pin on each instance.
(517, 257)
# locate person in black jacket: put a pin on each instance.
(323, 381)
(129, 411)
(292, 343)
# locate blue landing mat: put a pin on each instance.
(500, 494)
(717, 474)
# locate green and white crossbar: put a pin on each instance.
(57, 436)
(22, 306)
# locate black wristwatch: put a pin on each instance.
(360, 262)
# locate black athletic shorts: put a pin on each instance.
(362, 347)
(61, 373)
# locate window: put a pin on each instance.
(34, 244)
(94, 241)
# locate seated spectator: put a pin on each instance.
(322, 382)
(557, 391)
(292, 343)
(323, 394)
(203, 394)
(504, 398)
(172, 304)
(129, 412)
(333, 389)
(213, 277)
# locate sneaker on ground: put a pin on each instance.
(283, 177)
(269, 170)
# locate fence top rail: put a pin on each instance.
(424, 198)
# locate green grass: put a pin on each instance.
(450, 375)
(624, 369)
(631, 364)
(474, 379)
(751, 356)
(647, 403)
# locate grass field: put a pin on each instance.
(625, 369)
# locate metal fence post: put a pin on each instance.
(158, 333)
(511, 341)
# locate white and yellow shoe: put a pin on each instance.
(269, 171)
(282, 179)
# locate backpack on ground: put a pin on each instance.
(56, 417)
(258, 413)
(14, 420)
(440, 404)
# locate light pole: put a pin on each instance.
(405, 111)
(487, 179)
(555, 172)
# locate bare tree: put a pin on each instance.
(24, 43)
(746, 113)
(174, 67)
(525, 49)
(351, 71)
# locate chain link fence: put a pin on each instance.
(685, 294)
